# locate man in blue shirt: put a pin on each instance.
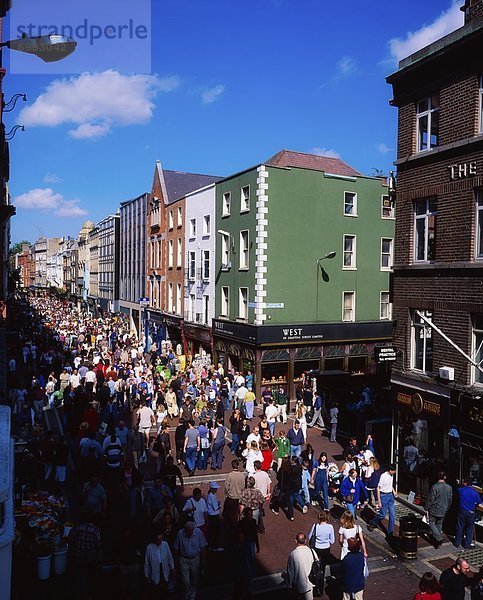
(296, 438)
(317, 418)
(468, 498)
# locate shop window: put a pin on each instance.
(421, 343)
(425, 212)
(427, 117)
(334, 364)
(478, 347)
(357, 364)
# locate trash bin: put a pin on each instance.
(408, 537)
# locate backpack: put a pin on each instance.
(316, 575)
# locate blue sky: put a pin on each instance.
(231, 83)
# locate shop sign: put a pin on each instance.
(463, 170)
(384, 354)
(233, 330)
(471, 415)
(418, 405)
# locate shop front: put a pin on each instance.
(198, 341)
(422, 444)
(282, 355)
(174, 329)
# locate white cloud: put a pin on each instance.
(328, 153)
(97, 102)
(52, 178)
(448, 21)
(383, 149)
(89, 131)
(346, 66)
(49, 201)
(212, 94)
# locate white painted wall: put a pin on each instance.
(199, 204)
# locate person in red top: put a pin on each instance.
(429, 588)
(267, 456)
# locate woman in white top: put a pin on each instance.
(349, 464)
(322, 537)
(348, 529)
(300, 416)
(251, 454)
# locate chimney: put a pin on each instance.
(473, 9)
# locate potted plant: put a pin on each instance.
(43, 550)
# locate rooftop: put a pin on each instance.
(179, 183)
(314, 162)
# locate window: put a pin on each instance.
(387, 208)
(225, 251)
(477, 347)
(421, 343)
(479, 224)
(349, 252)
(170, 297)
(225, 301)
(191, 313)
(178, 298)
(245, 199)
(348, 306)
(206, 309)
(244, 260)
(480, 125)
(179, 219)
(243, 303)
(193, 228)
(179, 254)
(385, 306)
(350, 204)
(170, 253)
(206, 225)
(386, 254)
(206, 264)
(427, 118)
(225, 210)
(425, 212)
(191, 265)
(170, 219)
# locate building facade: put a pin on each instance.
(199, 271)
(165, 224)
(132, 284)
(438, 272)
(93, 291)
(109, 260)
(83, 257)
(46, 268)
(281, 308)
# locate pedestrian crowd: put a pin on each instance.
(133, 428)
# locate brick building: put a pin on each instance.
(165, 264)
(437, 288)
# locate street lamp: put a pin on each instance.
(329, 255)
(50, 48)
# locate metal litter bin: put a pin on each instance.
(408, 537)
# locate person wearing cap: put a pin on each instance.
(214, 521)
(189, 546)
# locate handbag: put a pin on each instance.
(349, 498)
(366, 569)
(277, 492)
(313, 537)
(316, 575)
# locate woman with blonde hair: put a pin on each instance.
(251, 454)
(371, 479)
(300, 416)
(348, 529)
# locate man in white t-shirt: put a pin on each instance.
(146, 420)
(271, 412)
(262, 480)
(74, 379)
(254, 436)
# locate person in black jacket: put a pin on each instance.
(235, 428)
(179, 436)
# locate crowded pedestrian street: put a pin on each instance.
(138, 479)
